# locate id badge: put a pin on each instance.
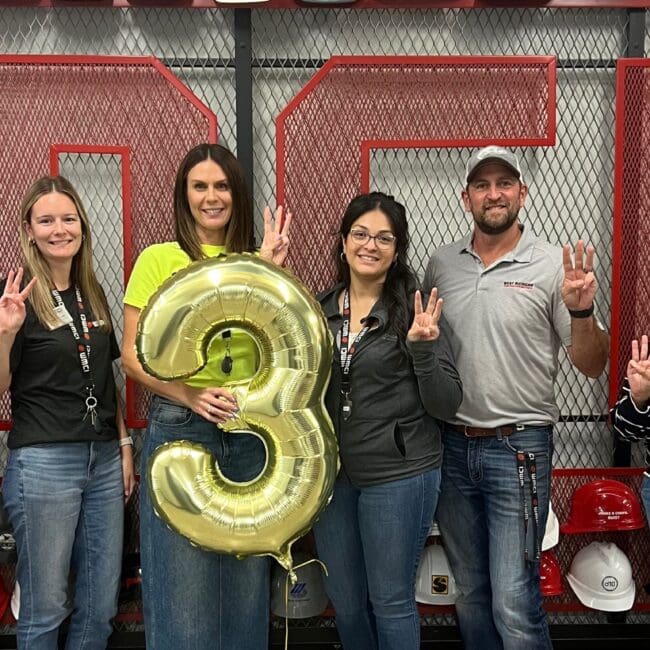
(63, 315)
(347, 408)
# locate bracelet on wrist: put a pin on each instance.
(582, 313)
(123, 442)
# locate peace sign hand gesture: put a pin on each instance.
(579, 285)
(275, 245)
(425, 322)
(638, 373)
(12, 302)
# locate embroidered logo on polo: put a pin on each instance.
(527, 286)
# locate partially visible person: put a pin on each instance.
(393, 376)
(631, 413)
(511, 300)
(70, 466)
(196, 599)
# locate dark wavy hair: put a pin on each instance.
(401, 282)
(239, 231)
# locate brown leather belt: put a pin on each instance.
(482, 432)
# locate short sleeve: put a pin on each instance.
(145, 279)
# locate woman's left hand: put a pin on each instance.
(128, 471)
(425, 322)
(275, 245)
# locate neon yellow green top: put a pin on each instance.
(154, 265)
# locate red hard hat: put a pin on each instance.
(550, 575)
(604, 505)
(5, 597)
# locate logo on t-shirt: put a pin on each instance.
(527, 286)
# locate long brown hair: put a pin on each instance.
(401, 281)
(239, 230)
(82, 273)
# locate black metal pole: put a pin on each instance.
(244, 92)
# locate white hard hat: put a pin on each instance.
(552, 532)
(434, 530)
(435, 584)
(15, 600)
(601, 577)
(306, 597)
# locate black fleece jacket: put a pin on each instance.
(397, 398)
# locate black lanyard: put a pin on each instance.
(346, 355)
(526, 463)
(83, 350)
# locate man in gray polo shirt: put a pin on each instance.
(511, 300)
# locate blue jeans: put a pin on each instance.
(196, 599)
(370, 540)
(645, 497)
(499, 603)
(66, 504)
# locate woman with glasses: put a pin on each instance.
(393, 375)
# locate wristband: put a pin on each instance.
(122, 442)
(582, 313)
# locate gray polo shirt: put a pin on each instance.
(507, 322)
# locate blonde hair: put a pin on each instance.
(82, 273)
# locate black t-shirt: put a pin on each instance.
(48, 388)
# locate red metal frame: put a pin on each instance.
(127, 222)
(367, 145)
(359, 4)
(123, 151)
(622, 66)
(71, 59)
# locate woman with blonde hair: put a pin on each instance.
(70, 464)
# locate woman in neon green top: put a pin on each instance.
(195, 599)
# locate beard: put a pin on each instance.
(497, 226)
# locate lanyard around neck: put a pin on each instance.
(83, 352)
(347, 350)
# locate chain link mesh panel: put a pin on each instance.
(632, 214)
(96, 103)
(321, 133)
(571, 182)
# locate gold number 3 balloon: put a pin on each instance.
(282, 404)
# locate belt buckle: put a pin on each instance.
(465, 427)
(519, 427)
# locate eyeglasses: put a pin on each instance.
(382, 240)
